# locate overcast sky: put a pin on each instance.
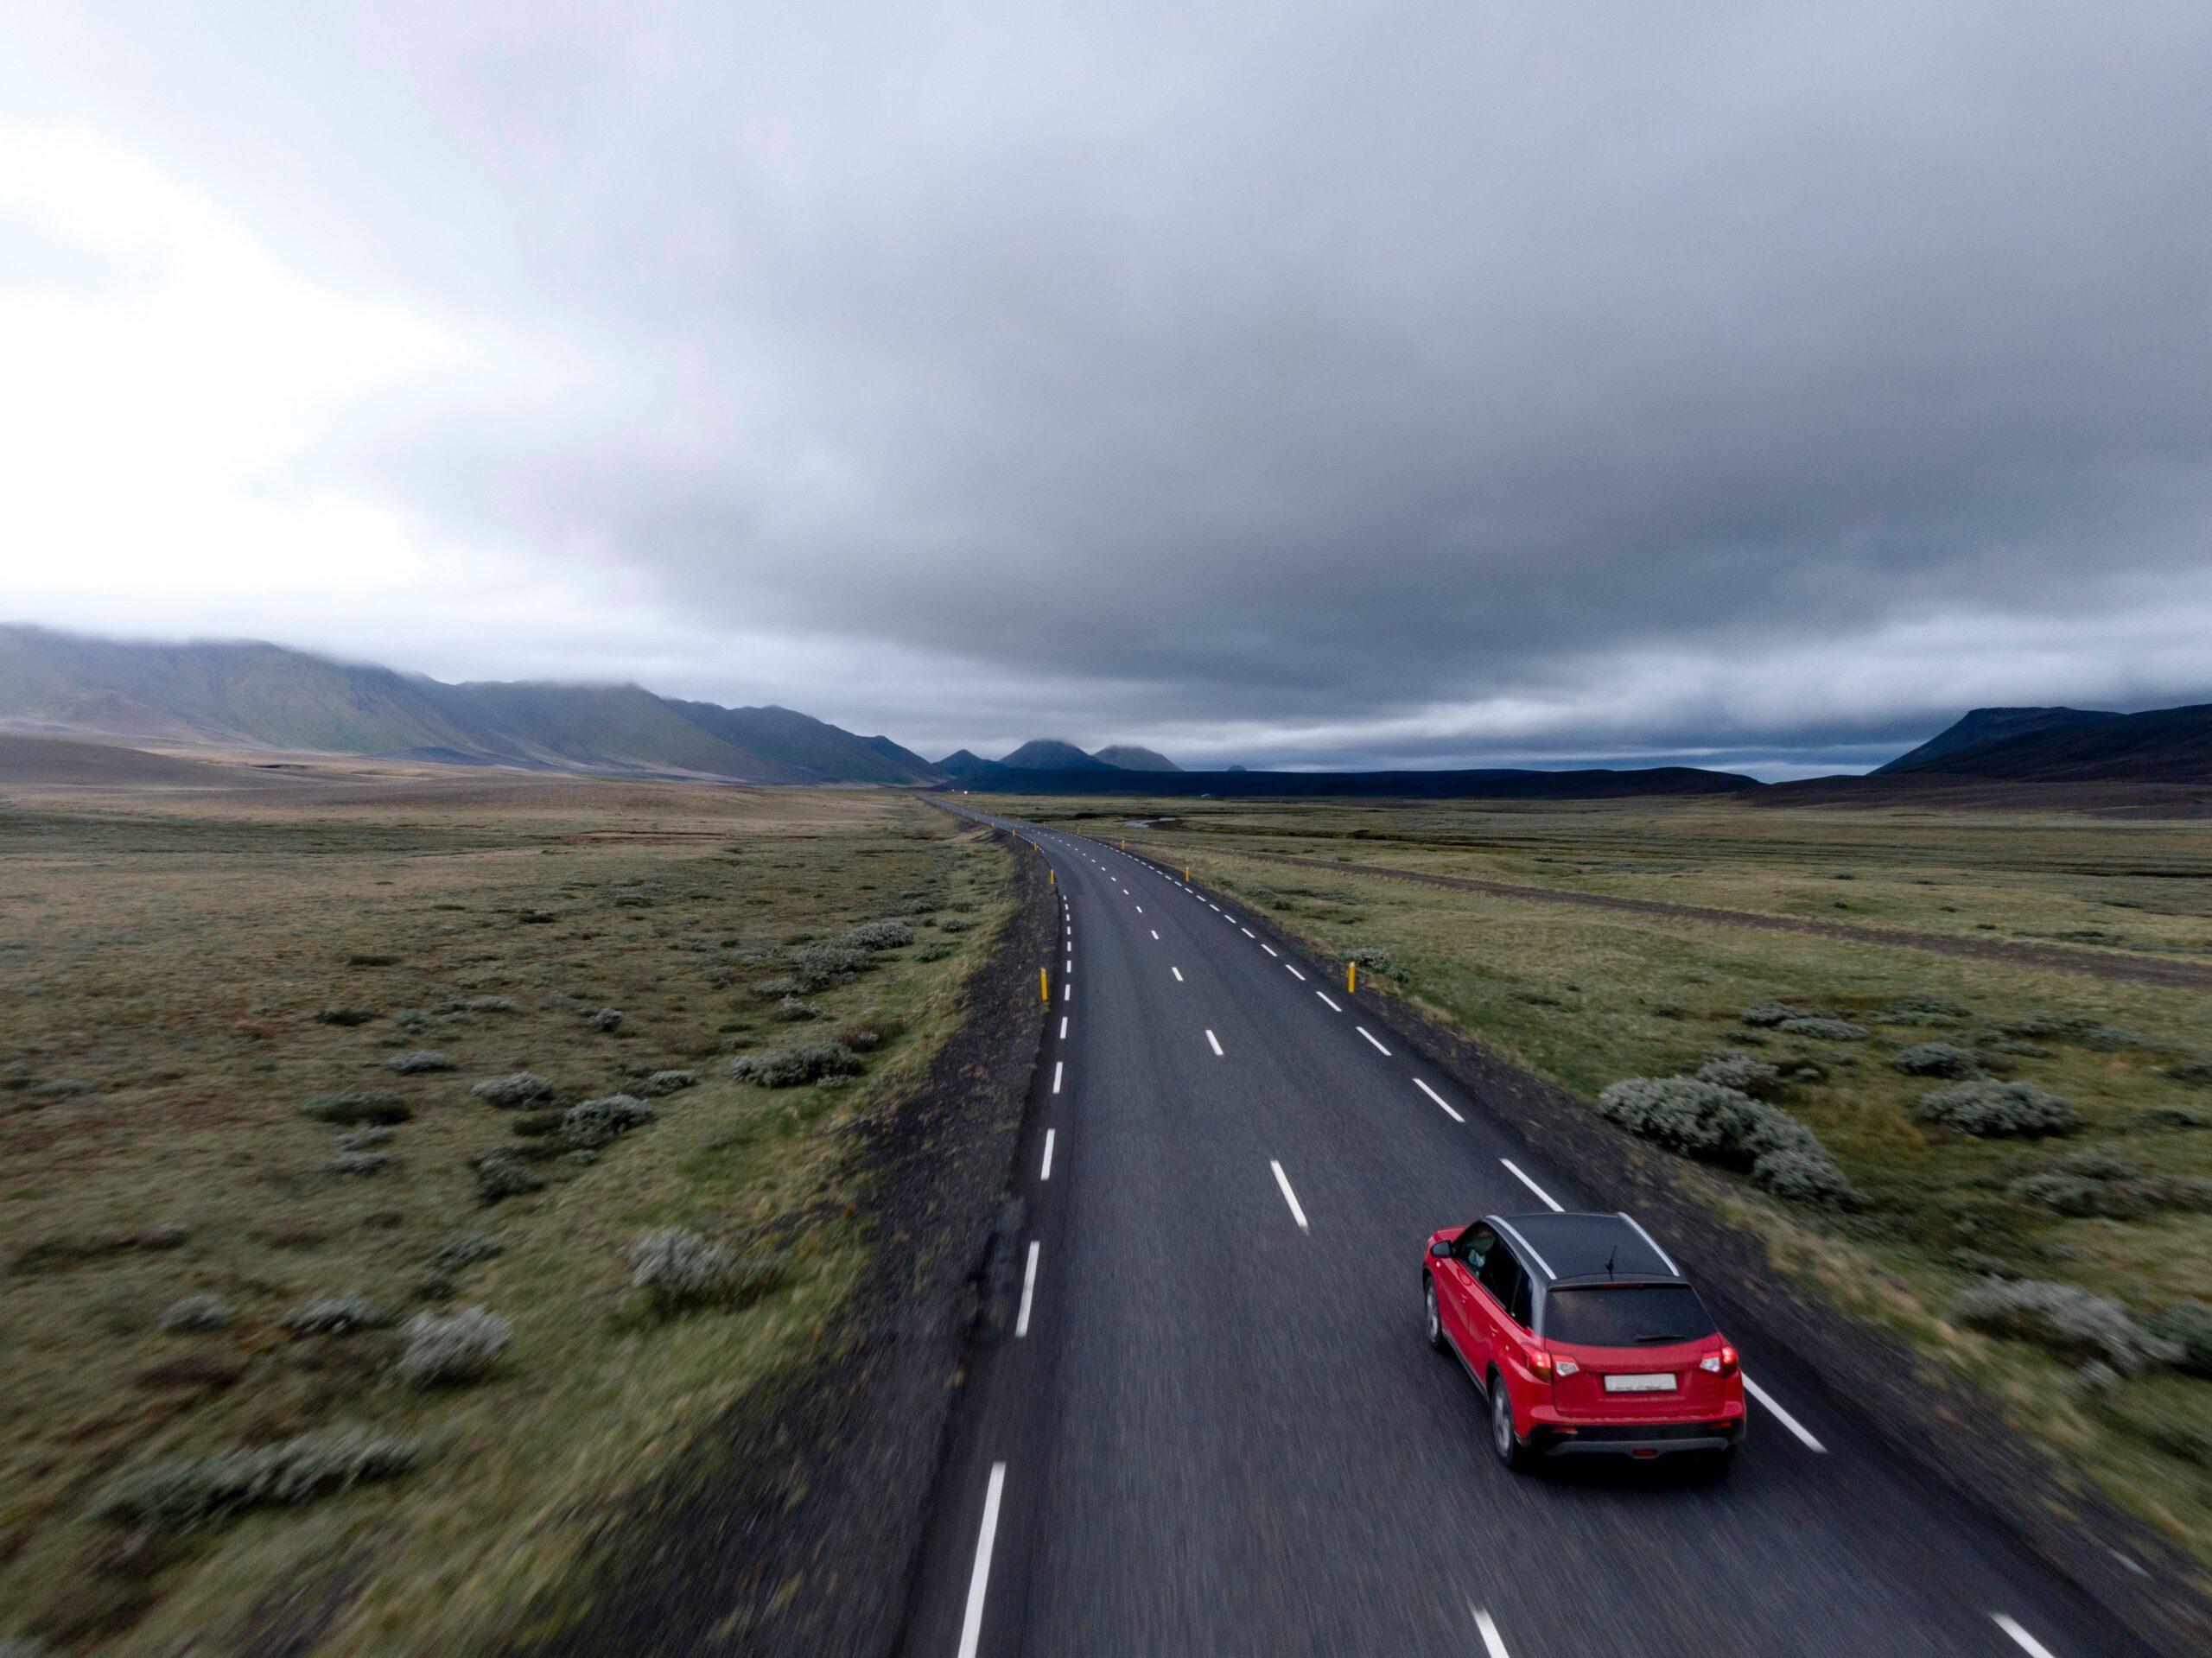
(1419, 384)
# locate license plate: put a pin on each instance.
(1640, 1384)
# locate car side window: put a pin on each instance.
(1522, 1305)
(1475, 1246)
(1500, 1275)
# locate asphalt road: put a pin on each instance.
(1213, 1425)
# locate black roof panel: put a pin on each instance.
(1585, 1245)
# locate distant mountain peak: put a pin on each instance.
(1051, 754)
(2067, 746)
(1130, 756)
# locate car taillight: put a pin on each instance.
(1546, 1367)
(1722, 1363)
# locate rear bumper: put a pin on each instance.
(1637, 1438)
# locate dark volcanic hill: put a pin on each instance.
(964, 763)
(1131, 758)
(1051, 754)
(2067, 746)
(263, 696)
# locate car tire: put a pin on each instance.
(1435, 1323)
(1504, 1443)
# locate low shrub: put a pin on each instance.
(1996, 1110)
(355, 1163)
(442, 1352)
(517, 1088)
(355, 1106)
(2186, 1327)
(1937, 1059)
(194, 1491)
(366, 1140)
(792, 1011)
(1743, 1073)
(347, 1015)
(661, 1083)
(1823, 1028)
(954, 923)
(2076, 1028)
(1923, 1010)
(1768, 1014)
(676, 1267)
(480, 1005)
(1703, 1120)
(816, 967)
(2169, 1116)
(796, 1065)
(1803, 1178)
(608, 1019)
(878, 935)
(2064, 1319)
(501, 1175)
(2193, 1073)
(465, 1249)
(936, 950)
(336, 1315)
(415, 1061)
(194, 1313)
(1373, 958)
(603, 1120)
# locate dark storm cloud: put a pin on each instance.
(1411, 384)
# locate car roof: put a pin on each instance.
(1563, 1247)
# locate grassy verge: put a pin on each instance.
(187, 973)
(2115, 1208)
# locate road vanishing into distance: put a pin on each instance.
(1215, 1427)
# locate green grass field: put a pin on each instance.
(182, 974)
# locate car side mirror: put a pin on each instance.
(1441, 1249)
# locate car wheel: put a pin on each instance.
(1435, 1323)
(1503, 1440)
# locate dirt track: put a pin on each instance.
(2058, 958)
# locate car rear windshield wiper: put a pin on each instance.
(1650, 1341)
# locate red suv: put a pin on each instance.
(1584, 1337)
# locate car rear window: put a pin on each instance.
(1626, 1315)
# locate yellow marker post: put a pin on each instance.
(1051, 878)
(1352, 978)
(1045, 985)
(1187, 874)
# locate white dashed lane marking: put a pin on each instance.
(1441, 1099)
(1215, 1042)
(979, 1580)
(1332, 1006)
(1549, 1202)
(1288, 1196)
(1369, 1035)
(1045, 1172)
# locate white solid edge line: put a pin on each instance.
(1369, 1035)
(1295, 972)
(1028, 1292)
(1783, 1416)
(1486, 1626)
(1324, 997)
(1178, 972)
(979, 1580)
(1549, 1202)
(1288, 1196)
(1057, 1066)
(1441, 1101)
(1045, 1173)
(2028, 1642)
(1215, 1041)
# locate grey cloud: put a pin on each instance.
(1230, 374)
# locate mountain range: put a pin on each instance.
(258, 696)
(2067, 746)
